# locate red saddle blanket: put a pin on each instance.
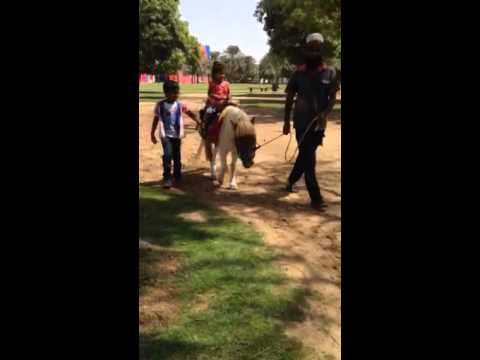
(213, 133)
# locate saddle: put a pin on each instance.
(212, 123)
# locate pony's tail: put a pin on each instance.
(208, 150)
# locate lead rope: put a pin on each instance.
(268, 142)
(289, 141)
(300, 142)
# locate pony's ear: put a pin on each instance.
(253, 120)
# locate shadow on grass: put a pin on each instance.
(219, 256)
(264, 347)
(154, 347)
(160, 225)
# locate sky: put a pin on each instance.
(220, 23)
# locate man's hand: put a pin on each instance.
(153, 138)
(321, 121)
(286, 128)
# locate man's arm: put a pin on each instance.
(332, 99)
(291, 91)
(323, 116)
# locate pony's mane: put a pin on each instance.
(241, 121)
(245, 127)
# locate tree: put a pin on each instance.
(231, 59)
(231, 68)
(164, 39)
(238, 66)
(249, 69)
(173, 63)
(232, 50)
(192, 55)
(272, 67)
(288, 22)
(200, 68)
(215, 55)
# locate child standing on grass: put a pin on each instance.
(168, 113)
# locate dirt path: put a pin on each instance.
(309, 241)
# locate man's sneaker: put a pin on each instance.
(167, 184)
(318, 205)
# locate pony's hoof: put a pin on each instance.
(217, 183)
(233, 187)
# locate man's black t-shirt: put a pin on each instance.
(314, 90)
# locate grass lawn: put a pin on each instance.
(270, 103)
(153, 92)
(233, 304)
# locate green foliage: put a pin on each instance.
(249, 69)
(238, 66)
(215, 55)
(164, 39)
(272, 67)
(232, 50)
(288, 22)
(173, 62)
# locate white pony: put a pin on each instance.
(237, 136)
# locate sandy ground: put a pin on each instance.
(309, 241)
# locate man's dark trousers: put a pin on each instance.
(305, 163)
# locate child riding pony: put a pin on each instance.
(218, 99)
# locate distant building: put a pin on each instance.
(147, 79)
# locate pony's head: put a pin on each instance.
(246, 140)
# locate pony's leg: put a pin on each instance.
(223, 163)
(213, 165)
(200, 148)
(233, 169)
(208, 149)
